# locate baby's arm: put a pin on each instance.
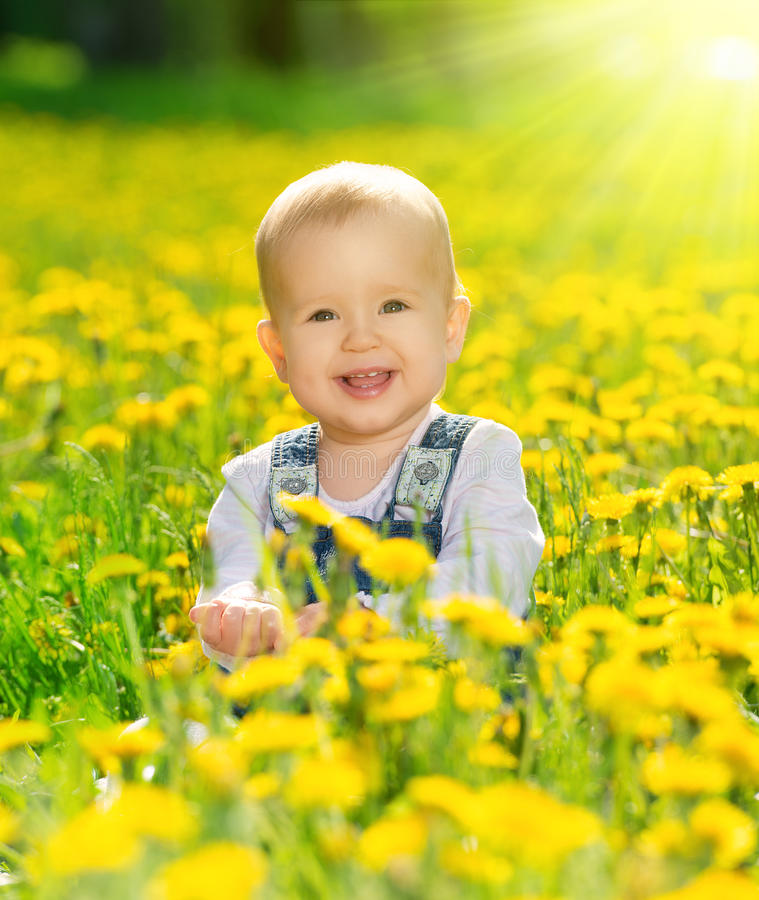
(486, 509)
(235, 619)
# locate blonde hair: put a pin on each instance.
(332, 195)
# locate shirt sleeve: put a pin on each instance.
(233, 535)
(492, 540)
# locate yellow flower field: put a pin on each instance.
(606, 748)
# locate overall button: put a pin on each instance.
(426, 471)
(296, 484)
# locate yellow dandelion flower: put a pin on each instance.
(613, 542)
(628, 694)
(501, 628)
(115, 566)
(188, 397)
(336, 690)
(220, 869)
(685, 480)
(9, 825)
(14, 732)
(354, 536)
(11, 547)
(310, 509)
(257, 676)
(146, 413)
(736, 744)
(261, 786)
(610, 506)
(265, 731)
(469, 696)
(666, 540)
(531, 825)
(548, 600)
(597, 619)
(315, 651)
(397, 561)
(221, 762)
(569, 660)
(90, 841)
(66, 547)
(491, 754)
(730, 831)
(740, 476)
(721, 370)
(149, 810)
(108, 745)
(153, 578)
(178, 495)
(598, 465)
(177, 560)
(712, 884)
(648, 428)
(327, 783)
(663, 838)
(460, 607)
(103, 437)
(32, 490)
(392, 837)
(392, 649)
(645, 498)
(417, 696)
(474, 864)
(362, 625)
(442, 793)
(655, 607)
(673, 771)
(337, 841)
(556, 547)
(380, 677)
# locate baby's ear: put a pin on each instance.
(271, 343)
(455, 331)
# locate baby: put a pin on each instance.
(366, 312)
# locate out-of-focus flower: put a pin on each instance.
(14, 732)
(673, 771)
(220, 869)
(115, 566)
(11, 547)
(730, 830)
(265, 731)
(326, 783)
(392, 837)
(103, 437)
(110, 745)
(685, 480)
(397, 561)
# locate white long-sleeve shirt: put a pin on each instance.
(491, 538)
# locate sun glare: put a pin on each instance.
(733, 58)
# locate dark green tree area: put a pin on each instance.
(277, 33)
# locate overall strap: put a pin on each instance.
(428, 467)
(294, 456)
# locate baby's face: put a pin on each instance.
(363, 328)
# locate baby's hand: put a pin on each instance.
(246, 627)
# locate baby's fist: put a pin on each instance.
(238, 626)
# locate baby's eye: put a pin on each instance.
(393, 306)
(324, 315)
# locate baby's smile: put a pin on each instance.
(366, 383)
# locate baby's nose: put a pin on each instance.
(361, 334)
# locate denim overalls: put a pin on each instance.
(422, 482)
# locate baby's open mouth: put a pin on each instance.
(368, 379)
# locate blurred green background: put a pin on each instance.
(641, 117)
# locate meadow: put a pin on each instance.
(608, 747)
